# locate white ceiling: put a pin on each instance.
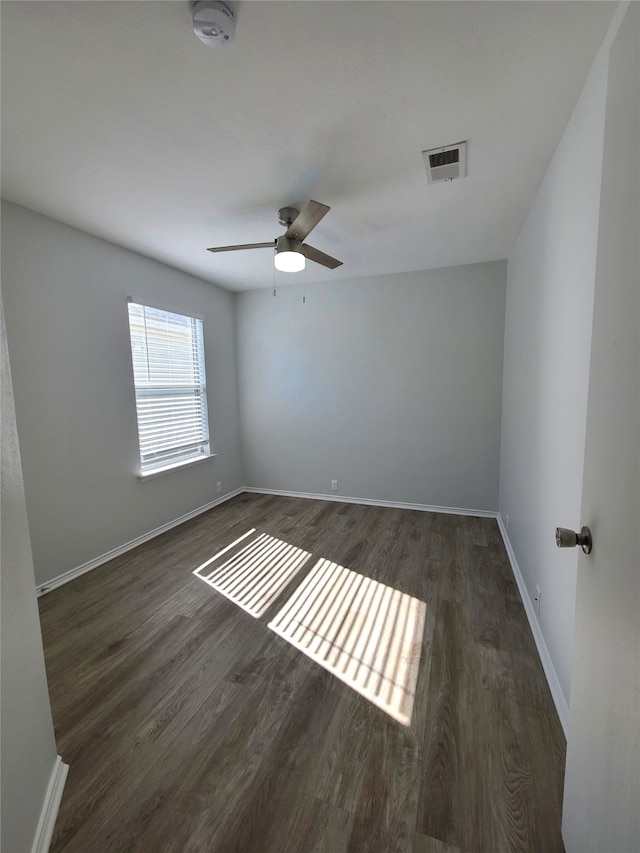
(117, 120)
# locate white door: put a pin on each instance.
(602, 782)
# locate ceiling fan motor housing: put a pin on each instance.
(288, 244)
(213, 22)
(286, 215)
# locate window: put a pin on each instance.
(171, 400)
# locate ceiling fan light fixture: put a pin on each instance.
(289, 256)
(289, 261)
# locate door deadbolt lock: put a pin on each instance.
(569, 539)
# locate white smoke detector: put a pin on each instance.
(213, 22)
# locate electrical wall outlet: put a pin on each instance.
(334, 485)
(536, 600)
(218, 487)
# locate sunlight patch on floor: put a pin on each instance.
(364, 632)
(254, 576)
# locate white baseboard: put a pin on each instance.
(49, 813)
(47, 586)
(52, 584)
(449, 510)
(557, 693)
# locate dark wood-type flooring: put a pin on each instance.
(189, 725)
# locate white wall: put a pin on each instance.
(390, 384)
(549, 311)
(28, 743)
(66, 315)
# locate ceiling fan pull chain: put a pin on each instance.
(274, 275)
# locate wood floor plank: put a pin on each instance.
(306, 824)
(450, 806)
(385, 816)
(190, 725)
(426, 844)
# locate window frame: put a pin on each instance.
(157, 466)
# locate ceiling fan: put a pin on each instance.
(290, 251)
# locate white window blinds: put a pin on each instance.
(171, 402)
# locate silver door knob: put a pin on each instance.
(569, 539)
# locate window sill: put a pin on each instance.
(175, 466)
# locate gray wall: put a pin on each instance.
(549, 311)
(66, 315)
(28, 743)
(389, 384)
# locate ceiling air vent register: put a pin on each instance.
(446, 163)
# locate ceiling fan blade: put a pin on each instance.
(320, 257)
(306, 220)
(271, 243)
